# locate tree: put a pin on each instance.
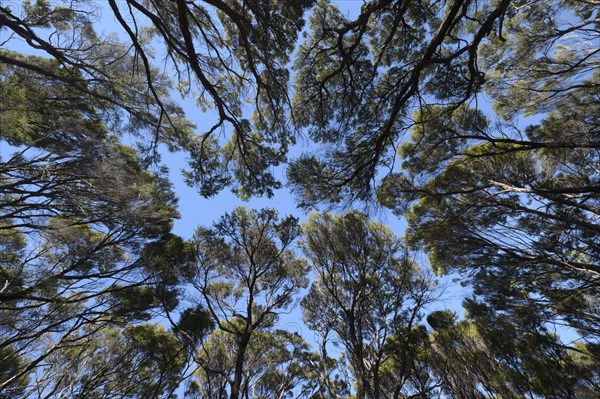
(487, 198)
(223, 54)
(246, 274)
(90, 73)
(87, 203)
(139, 361)
(76, 207)
(10, 364)
(274, 365)
(519, 210)
(87, 254)
(358, 82)
(71, 236)
(485, 355)
(369, 296)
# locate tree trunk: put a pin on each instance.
(239, 366)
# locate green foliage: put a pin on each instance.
(76, 204)
(247, 274)
(519, 211)
(441, 319)
(14, 382)
(488, 351)
(246, 258)
(231, 57)
(359, 80)
(195, 323)
(274, 365)
(157, 343)
(141, 361)
(368, 294)
(134, 302)
(388, 101)
(166, 257)
(483, 197)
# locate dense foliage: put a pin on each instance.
(477, 121)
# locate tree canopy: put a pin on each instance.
(475, 121)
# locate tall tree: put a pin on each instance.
(504, 204)
(275, 366)
(485, 355)
(76, 208)
(227, 55)
(139, 361)
(359, 80)
(488, 198)
(87, 257)
(246, 274)
(369, 296)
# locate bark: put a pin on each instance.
(239, 366)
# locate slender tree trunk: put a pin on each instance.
(360, 389)
(376, 384)
(239, 366)
(361, 380)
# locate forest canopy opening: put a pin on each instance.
(475, 121)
